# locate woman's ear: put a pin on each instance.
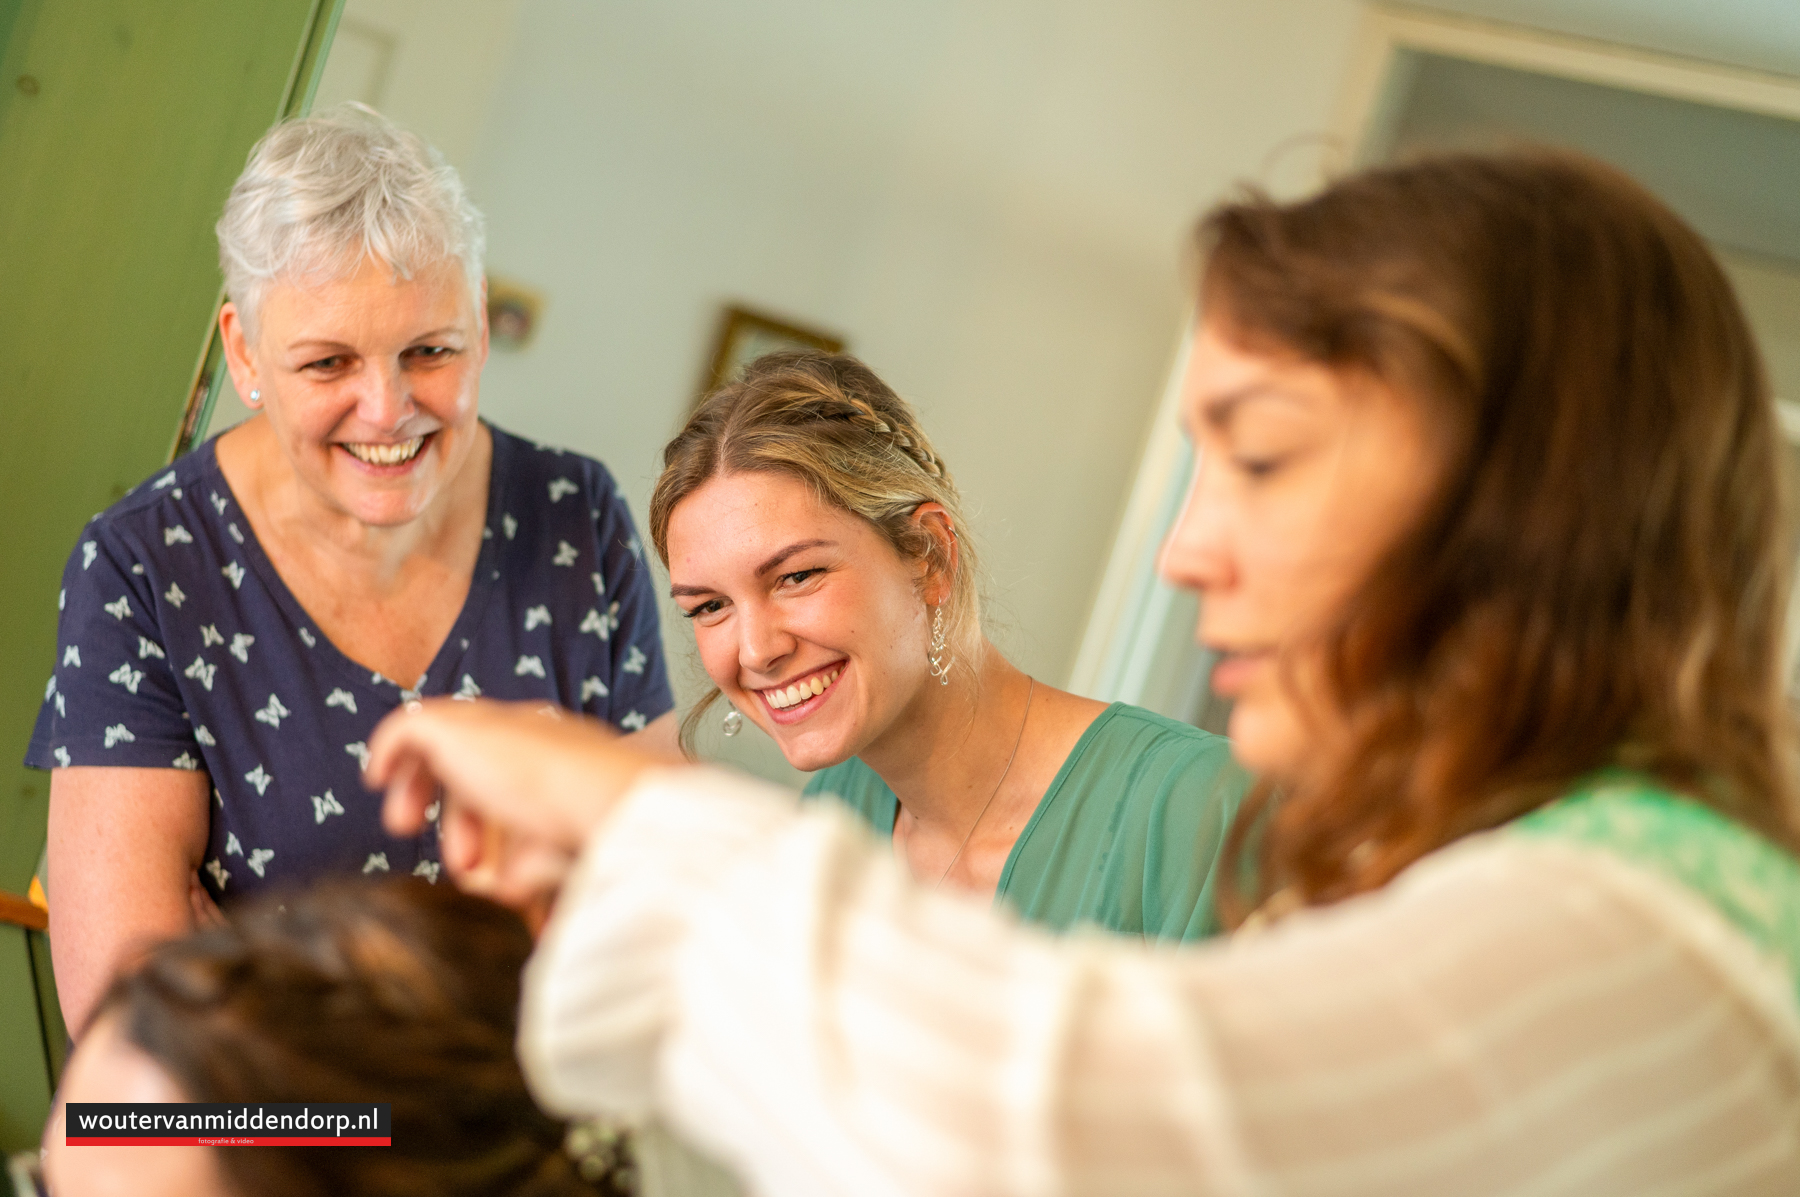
(235, 339)
(940, 568)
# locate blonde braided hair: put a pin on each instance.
(829, 421)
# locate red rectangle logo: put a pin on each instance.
(227, 1141)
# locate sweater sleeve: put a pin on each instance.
(113, 698)
(1508, 1016)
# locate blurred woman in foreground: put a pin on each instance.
(1487, 524)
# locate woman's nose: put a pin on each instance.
(1196, 554)
(384, 401)
(763, 641)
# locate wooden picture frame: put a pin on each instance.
(513, 312)
(745, 334)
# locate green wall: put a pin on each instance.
(122, 126)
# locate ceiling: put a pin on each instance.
(1760, 34)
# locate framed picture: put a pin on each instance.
(513, 312)
(746, 334)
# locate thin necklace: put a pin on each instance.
(997, 785)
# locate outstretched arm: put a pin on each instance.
(1509, 1016)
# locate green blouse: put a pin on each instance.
(1753, 883)
(1126, 838)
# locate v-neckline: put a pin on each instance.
(892, 801)
(481, 585)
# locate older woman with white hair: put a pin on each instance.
(233, 629)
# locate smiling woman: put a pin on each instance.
(816, 542)
(233, 629)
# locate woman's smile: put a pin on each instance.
(797, 699)
(388, 458)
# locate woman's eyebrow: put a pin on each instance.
(1218, 410)
(797, 547)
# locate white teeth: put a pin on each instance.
(799, 692)
(387, 455)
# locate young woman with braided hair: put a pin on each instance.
(816, 542)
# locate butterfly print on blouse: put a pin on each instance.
(272, 713)
(201, 672)
(600, 625)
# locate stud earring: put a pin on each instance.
(733, 723)
(256, 396)
(939, 660)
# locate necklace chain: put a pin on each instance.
(990, 799)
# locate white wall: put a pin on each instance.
(987, 196)
(1769, 289)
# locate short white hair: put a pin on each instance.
(322, 193)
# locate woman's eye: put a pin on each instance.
(1258, 467)
(430, 353)
(325, 364)
(799, 576)
(709, 607)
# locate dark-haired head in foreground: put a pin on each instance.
(393, 991)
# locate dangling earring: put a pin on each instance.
(733, 723)
(939, 660)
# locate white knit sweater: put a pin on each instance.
(1511, 1016)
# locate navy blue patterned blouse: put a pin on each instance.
(180, 647)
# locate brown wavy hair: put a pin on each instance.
(1602, 577)
(829, 421)
(392, 991)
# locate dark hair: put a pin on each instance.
(392, 991)
(1602, 578)
(827, 420)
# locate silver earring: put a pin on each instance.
(733, 723)
(256, 396)
(939, 660)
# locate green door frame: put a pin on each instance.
(122, 126)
